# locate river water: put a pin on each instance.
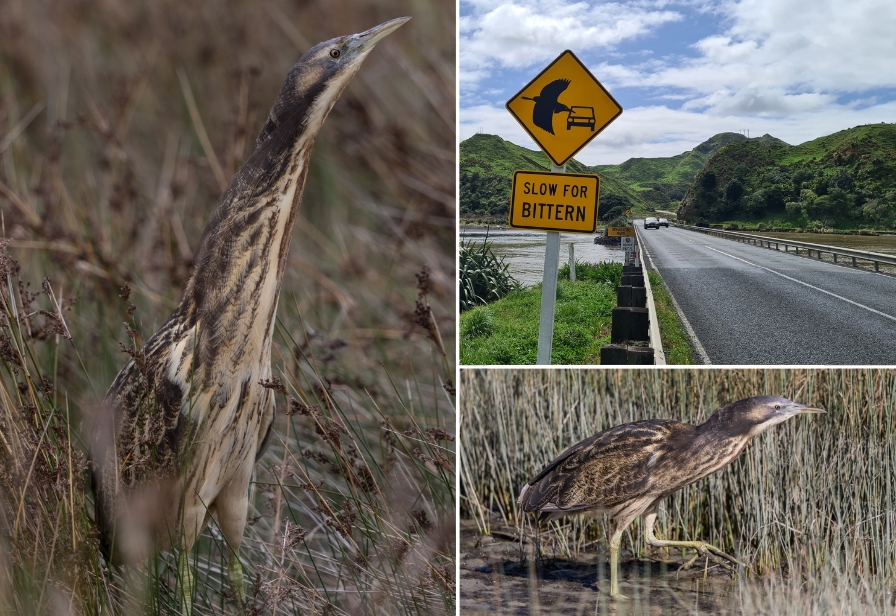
(523, 251)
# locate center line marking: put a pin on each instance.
(805, 284)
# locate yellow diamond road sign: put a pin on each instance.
(554, 201)
(564, 108)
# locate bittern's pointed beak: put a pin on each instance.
(800, 408)
(366, 40)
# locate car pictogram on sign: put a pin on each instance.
(580, 116)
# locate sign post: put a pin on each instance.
(549, 292)
(555, 203)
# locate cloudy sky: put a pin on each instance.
(684, 71)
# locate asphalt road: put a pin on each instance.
(748, 305)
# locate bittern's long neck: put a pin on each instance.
(714, 446)
(231, 300)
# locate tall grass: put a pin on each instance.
(810, 503)
(119, 125)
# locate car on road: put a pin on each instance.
(651, 223)
(663, 223)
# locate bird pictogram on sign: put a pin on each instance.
(564, 108)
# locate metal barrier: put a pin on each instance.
(760, 240)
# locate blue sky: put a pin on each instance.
(684, 71)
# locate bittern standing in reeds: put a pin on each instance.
(188, 411)
(629, 469)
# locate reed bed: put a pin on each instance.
(120, 124)
(809, 505)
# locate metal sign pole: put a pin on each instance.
(549, 291)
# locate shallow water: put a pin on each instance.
(523, 251)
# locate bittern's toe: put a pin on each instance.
(707, 549)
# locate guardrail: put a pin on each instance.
(659, 356)
(874, 258)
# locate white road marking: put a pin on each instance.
(805, 284)
(698, 348)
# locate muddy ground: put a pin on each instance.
(499, 577)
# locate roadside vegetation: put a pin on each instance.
(506, 332)
(809, 506)
(676, 341)
(483, 277)
(119, 129)
(844, 181)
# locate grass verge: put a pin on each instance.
(676, 342)
(506, 332)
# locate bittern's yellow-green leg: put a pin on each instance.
(615, 542)
(703, 548)
(185, 582)
(235, 578)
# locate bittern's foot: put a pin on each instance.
(707, 549)
(618, 596)
(185, 583)
(235, 577)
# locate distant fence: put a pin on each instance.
(833, 254)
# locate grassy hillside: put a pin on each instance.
(487, 163)
(660, 181)
(846, 180)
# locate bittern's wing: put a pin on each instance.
(141, 432)
(546, 105)
(602, 471)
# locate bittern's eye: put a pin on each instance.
(777, 407)
(334, 53)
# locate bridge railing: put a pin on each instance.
(838, 255)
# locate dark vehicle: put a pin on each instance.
(663, 223)
(651, 223)
(580, 116)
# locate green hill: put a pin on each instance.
(487, 163)
(660, 181)
(842, 181)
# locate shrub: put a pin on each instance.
(483, 276)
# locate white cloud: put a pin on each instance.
(522, 33)
(782, 67)
(787, 56)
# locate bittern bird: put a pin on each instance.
(546, 104)
(189, 410)
(627, 470)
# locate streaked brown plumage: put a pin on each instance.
(627, 470)
(193, 416)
